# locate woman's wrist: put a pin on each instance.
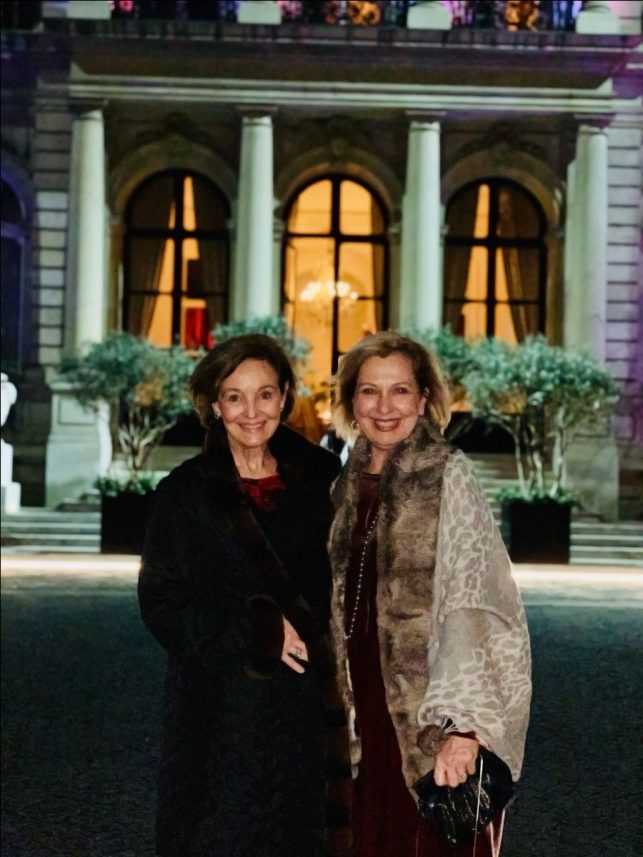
(432, 738)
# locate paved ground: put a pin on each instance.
(81, 686)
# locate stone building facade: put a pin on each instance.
(312, 156)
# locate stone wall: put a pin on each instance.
(624, 322)
(50, 165)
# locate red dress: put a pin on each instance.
(386, 822)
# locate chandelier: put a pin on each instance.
(327, 290)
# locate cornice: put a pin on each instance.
(345, 97)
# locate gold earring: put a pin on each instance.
(355, 425)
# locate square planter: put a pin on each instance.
(537, 531)
(123, 521)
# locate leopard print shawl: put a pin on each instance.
(454, 647)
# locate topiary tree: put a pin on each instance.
(457, 358)
(542, 396)
(145, 387)
(455, 354)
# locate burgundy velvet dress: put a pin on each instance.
(386, 822)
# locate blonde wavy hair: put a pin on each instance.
(426, 371)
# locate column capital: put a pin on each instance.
(91, 109)
(256, 113)
(592, 123)
(428, 118)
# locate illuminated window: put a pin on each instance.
(495, 264)
(335, 269)
(176, 260)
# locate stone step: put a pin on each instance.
(607, 539)
(53, 540)
(606, 561)
(20, 527)
(28, 548)
(42, 515)
(613, 555)
(593, 526)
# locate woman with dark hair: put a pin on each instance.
(430, 634)
(235, 585)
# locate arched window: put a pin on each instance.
(176, 260)
(495, 264)
(335, 269)
(13, 237)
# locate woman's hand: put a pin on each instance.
(293, 645)
(455, 761)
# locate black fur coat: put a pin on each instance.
(243, 748)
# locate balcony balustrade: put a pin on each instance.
(476, 14)
(469, 14)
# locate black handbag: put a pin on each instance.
(459, 813)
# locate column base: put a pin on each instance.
(10, 498)
(79, 447)
(266, 12)
(592, 471)
(428, 16)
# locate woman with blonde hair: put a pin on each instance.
(430, 633)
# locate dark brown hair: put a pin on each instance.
(426, 371)
(218, 364)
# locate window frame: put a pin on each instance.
(492, 243)
(339, 238)
(178, 234)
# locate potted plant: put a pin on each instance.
(146, 389)
(541, 395)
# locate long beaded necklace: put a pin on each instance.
(360, 576)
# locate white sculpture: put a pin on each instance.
(10, 489)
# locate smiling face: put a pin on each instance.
(387, 401)
(250, 403)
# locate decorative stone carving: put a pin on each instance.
(10, 500)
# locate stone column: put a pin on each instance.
(421, 286)
(586, 282)
(86, 301)
(79, 445)
(592, 460)
(597, 18)
(253, 281)
(572, 319)
(428, 15)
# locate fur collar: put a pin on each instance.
(410, 491)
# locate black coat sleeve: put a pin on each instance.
(204, 626)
